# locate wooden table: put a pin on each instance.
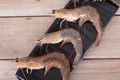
(21, 25)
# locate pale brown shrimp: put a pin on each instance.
(83, 14)
(47, 61)
(65, 35)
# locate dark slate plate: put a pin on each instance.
(88, 34)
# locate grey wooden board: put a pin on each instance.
(97, 70)
(110, 45)
(103, 69)
(18, 36)
(29, 7)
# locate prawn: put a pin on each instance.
(82, 14)
(65, 35)
(47, 61)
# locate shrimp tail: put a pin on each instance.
(79, 49)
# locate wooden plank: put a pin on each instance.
(118, 12)
(7, 70)
(18, 35)
(17, 32)
(29, 7)
(110, 45)
(87, 70)
(97, 70)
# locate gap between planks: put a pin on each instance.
(34, 16)
(86, 70)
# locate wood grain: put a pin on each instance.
(110, 45)
(29, 7)
(97, 70)
(7, 70)
(87, 70)
(18, 35)
(17, 32)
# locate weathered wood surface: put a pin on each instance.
(97, 70)
(18, 35)
(105, 69)
(17, 32)
(29, 7)
(7, 70)
(110, 44)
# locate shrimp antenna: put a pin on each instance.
(16, 59)
(8, 59)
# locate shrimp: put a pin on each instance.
(47, 61)
(82, 14)
(65, 35)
